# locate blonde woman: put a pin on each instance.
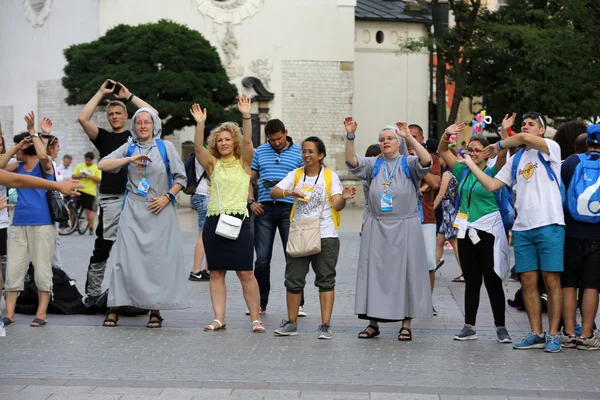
(227, 162)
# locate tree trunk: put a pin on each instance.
(440, 95)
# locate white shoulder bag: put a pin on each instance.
(228, 226)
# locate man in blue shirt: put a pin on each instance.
(271, 163)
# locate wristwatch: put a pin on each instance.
(250, 202)
(171, 196)
(130, 97)
(34, 135)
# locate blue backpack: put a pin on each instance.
(583, 196)
(163, 154)
(503, 199)
(549, 171)
(406, 170)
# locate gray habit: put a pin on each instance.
(392, 282)
(149, 271)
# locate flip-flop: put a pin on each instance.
(7, 321)
(460, 279)
(40, 322)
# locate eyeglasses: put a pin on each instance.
(535, 116)
(476, 151)
(309, 151)
(143, 123)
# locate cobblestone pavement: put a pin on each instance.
(75, 358)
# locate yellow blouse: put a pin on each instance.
(233, 184)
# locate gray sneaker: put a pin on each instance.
(325, 332)
(502, 335)
(287, 328)
(567, 341)
(584, 343)
(466, 333)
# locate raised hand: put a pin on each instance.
(402, 129)
(25, 143)
(46, 125)
(465, 160)
(104, 90)
(198, 113)
(68, 187)
(123, 93)
(491, 151)
(244, 104)
(140, 159)
(350, 125)
(508, 121)
(30, 120)
(454, 129)
(348, 193)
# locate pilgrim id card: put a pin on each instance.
(386, 201)
(143, 186)
(308, 191)
(461, 224)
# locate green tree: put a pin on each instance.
(165, 63)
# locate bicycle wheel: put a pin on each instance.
(82, 222)
(66, 228)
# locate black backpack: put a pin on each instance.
(190, 173)
(66, 298)
(101, 307)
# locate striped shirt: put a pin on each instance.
(273, 166)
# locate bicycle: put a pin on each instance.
(77, 218)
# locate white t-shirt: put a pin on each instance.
(202, 187)
(539, 202)
(66, 173)
(318, 198)
(57, 173)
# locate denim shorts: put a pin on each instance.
(540, 249)
(200, 204)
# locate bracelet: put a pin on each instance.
(283, 193)
(246, 118)
(500, 145)
(131, 96)
(350, 138)
(444, 139)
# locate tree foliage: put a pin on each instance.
(165, 63)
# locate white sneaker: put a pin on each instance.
(301, 312)
(261, 311)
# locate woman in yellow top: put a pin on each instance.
(227, 162)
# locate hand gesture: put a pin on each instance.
(348, 193)
(68, 187)
(3, 203)
(140, 159)
(46, 125)
(104, 90)
(508, 121)
(198, 113)
(257, 208)
(350, 125)
(158, 203)
(402, 129)
(30, 120)
(491, 151)
(123, 93)
(465, 160)
(454, 129)
(244, 105)
(25, 143)
(297, 194)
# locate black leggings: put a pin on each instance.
(477, 262)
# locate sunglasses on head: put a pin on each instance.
(535, 116)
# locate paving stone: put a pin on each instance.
(80, 396)
(5, 389)
(33, 389)
(127, 390)
(265, 394)
(334, 396)
(404, 396)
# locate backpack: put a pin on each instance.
(549, 171)
(65, 299)
(583, 196)
(406, 170)
(503, 199)
(190, 173)
(163, 154)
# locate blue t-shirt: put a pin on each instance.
(573, 228)
(32, 205)
(273, 166)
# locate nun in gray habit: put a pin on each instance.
(392, 281)
(149, 271)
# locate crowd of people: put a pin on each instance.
(419, 195)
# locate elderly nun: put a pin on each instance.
(149, 271)
(392, 281)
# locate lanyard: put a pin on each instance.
(143, 169)
(316, 180)
(470, 191)
(388, 175)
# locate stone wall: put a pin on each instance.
(6, 119)
(317, 95)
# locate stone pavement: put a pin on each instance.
(76, 358)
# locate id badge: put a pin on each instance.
(386, 201)
(461, 223)
(143, 186)
(308, 191)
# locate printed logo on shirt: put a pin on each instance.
(528, 171)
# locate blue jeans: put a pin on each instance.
(276, 216)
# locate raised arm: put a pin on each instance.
(491, 184)
(443, 149)
(5, 162)
(339, 200)
(66, 187)
(38, 144)
(351, 125)
(207, 160)
(422, 153)
(126, 96)
(109, 164)
(529, 140)
(85, 116)
(245, 106)
(446, 178)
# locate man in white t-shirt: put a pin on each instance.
(65, 169)
(539, 229)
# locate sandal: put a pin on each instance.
(110, 322)
(368, 335)
(459, 279)
(405, 334)
(155, 321)
(211, 327)
(7, 321)
(258, 328)
(38, 322)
